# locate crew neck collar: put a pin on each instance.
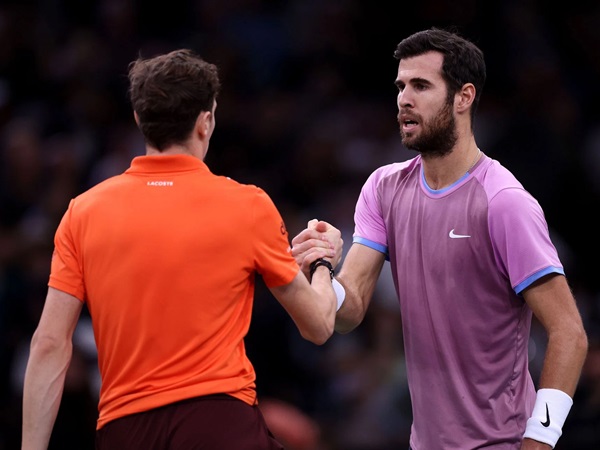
(165, 163)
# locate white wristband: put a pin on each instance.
(548, 417)
(340, 293)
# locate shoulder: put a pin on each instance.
(494, 176)
(507, 198)
(393, 171)
(98, 191)
(499, 183)
(246, 196)
(245, 190)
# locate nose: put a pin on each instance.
(404, 99)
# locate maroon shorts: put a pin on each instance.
(203, 423)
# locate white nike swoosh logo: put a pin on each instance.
(457, 236)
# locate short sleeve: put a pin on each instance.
(369, 226)
(521, 239)
(66, 268)
(274, 260)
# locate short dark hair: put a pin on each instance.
(168, 92)
(463, 60)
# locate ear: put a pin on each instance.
(203, 123)
(136, 117)
(208, 122)
(465, 97)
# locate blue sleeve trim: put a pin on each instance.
(374, 245)
(536, 276)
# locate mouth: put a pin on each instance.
(408, 124)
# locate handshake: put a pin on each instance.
(319, 240)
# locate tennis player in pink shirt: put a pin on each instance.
(472, 262)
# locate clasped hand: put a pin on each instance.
(319, 240)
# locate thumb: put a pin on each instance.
(321, 226)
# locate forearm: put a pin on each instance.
(565, 355)
(326, 304)
(353, 310)
(552, 302)
(564, 359)
(43, 388)
(311, 306)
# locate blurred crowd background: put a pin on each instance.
(307, 111)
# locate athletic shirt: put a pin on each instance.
(460, 257)
(165, 257)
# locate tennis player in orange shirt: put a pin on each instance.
(165, 256)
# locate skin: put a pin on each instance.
(312, 307)
(422, 109)
(49, 358)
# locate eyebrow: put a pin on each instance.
(416, 80)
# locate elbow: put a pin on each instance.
(318, 336)
(581, 340)
(316, 340)
(319, 340)
(344, 327)
(574, 336)
(577, 336)
(46, 344)
(348, 319)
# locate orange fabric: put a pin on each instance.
(165, 256)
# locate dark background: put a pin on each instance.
(307, 111)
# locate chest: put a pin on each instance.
(443, 229)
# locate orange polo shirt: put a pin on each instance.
(165, 257)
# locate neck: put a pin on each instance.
(198, 151)
(477, 156)
(442, 171)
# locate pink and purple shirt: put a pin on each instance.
(460, 257)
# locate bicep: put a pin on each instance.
(361, 269)
(552, 302)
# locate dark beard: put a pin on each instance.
(438, 137)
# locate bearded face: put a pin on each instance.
(436, 136)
